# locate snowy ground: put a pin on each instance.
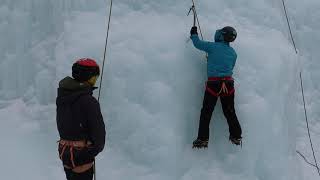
(153, 87)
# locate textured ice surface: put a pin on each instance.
(153, 87)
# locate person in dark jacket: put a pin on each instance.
(79, 121)
(221, 61)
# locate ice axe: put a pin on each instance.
(195, 21)
(195, 17)
(194, 14)
(192, 8)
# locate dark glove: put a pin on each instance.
(194, 30)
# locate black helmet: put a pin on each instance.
(229, 33)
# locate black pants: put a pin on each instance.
(88, 175)
(227, 103)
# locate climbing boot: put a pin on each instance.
(198, 143)
(236, 141)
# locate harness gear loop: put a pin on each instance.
(224, 88)
(71, 157)
(62, 152)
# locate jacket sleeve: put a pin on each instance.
(96, 127)
(235, 58)
(199, 44)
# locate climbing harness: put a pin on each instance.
(224, 91)
(303, 96)
(73, 146)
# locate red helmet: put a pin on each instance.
(85, 68)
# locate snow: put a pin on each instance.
(153, 87)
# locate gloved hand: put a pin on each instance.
(194, 30)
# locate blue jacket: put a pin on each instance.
(221, 57)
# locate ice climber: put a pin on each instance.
(221, 61)
(79, 121)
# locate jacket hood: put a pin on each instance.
(70, 90)
(71, 84)
(218, 37)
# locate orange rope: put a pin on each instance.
(62, 152)
(71, 157)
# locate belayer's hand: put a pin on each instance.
(194, 30)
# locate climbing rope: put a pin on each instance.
(303, 97)
(105, 50)
(102, 71)
(305, 159)
(289, 26)
(305, 113)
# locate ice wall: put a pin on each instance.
(305, 23)
(31, 30)
(165, 92)
(153, 87)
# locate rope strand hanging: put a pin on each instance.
(303, 97)
(102, 72)
(105, 50)
(307, 122)
(305, 159)
(289, 26)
